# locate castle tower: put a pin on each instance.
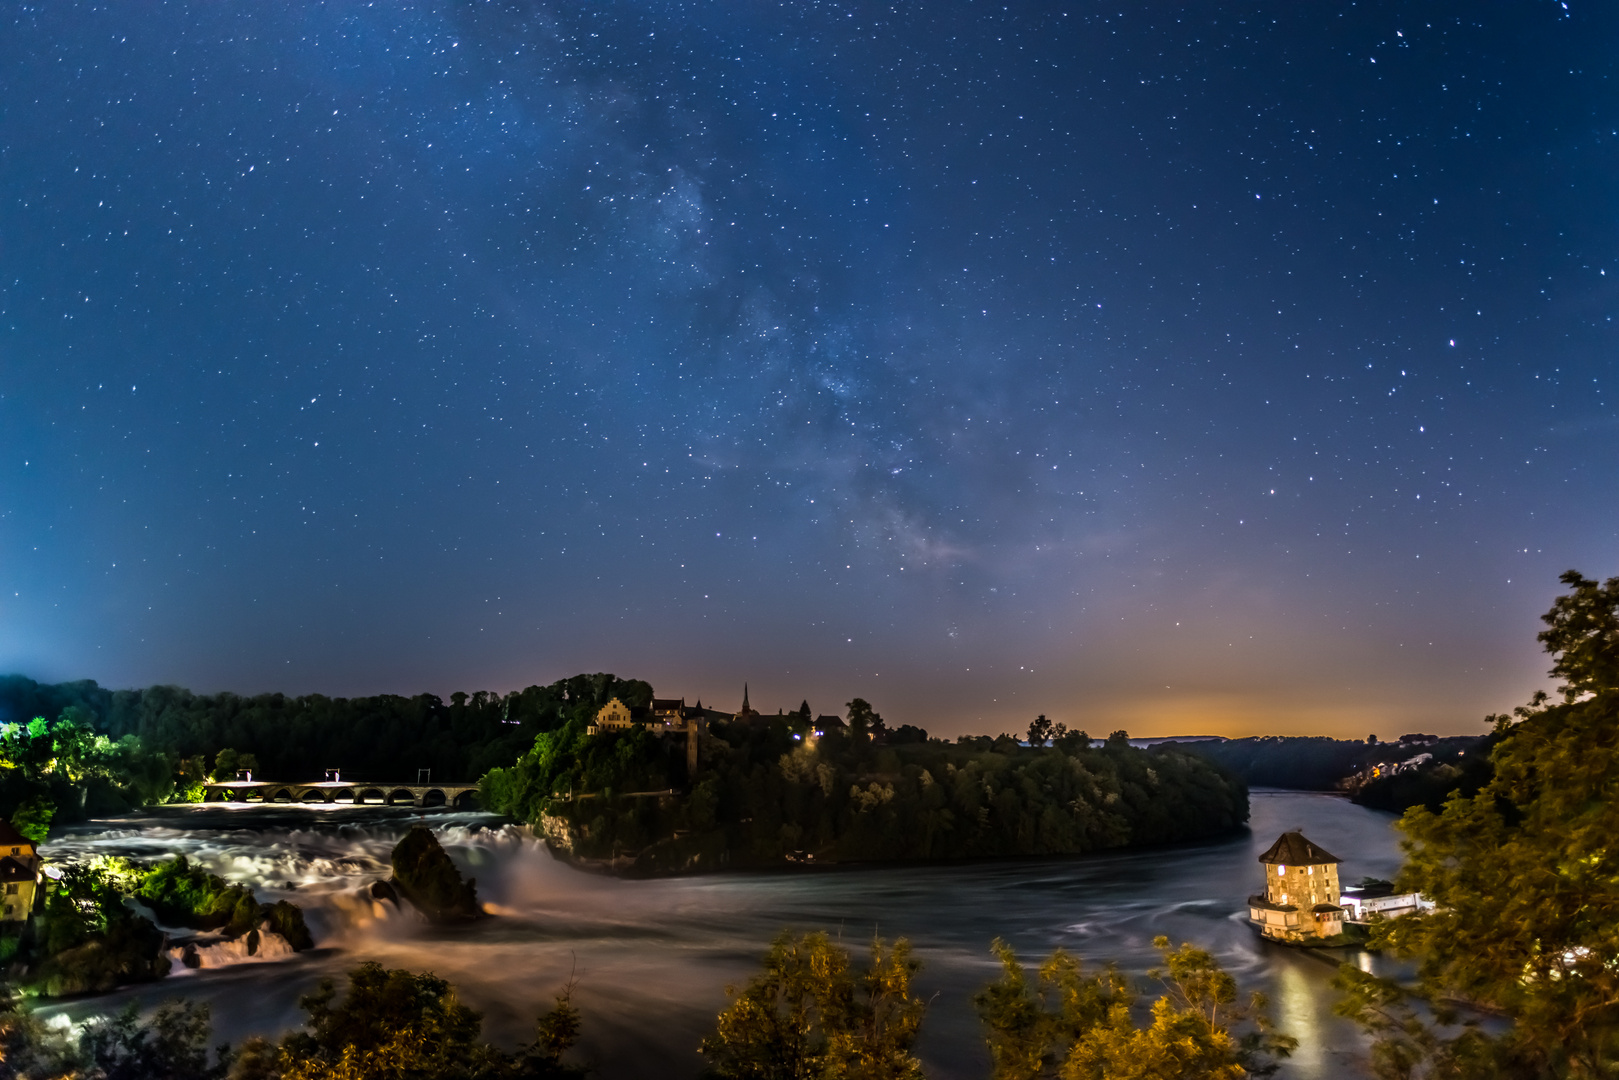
(1300, 902)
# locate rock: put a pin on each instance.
(424, 875)
(190, 958)
(384, 890)
(127, 951)
(287, 919)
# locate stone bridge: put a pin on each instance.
(341, 791)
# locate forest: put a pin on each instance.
(768, 792)
(74, 750)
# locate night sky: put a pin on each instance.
(1217, 369)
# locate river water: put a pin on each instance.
(650, 959)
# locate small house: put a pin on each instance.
(1301, 898)
(824, 724)
(19, 873)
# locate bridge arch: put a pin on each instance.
(398, 795)
(314, 795)
(433, 797)
(280, 793)
(343, 795)
(465, 799)
(368, 794)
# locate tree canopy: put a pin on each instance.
(810, 1015)
(1066, 1025)
(1525, 876)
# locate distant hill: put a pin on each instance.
(1316, 763)
(1304, 763)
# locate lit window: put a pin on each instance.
(1310, 870)
(1280, 870)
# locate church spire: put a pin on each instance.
(745, 706)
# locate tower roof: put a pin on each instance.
(1292, 849)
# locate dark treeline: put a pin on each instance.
(1362, 769)
(387, 737)
(1303, 763)
(766, 793)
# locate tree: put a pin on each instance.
(809, 1015)
(1031, 1026)
(225, 764)
(861, 719)
(1525, 876)
(1039, 730)
(172, 1045)
(33, 818)
(1081, 1028)
(395, 1024)
(29, 1047)
(1583, 632)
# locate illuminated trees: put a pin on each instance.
(810, 1015)
(1526, 878)
(1071, 1026)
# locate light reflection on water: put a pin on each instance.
(652, 958)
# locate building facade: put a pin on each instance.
(614, 716)
(1301, 898)
(19, 874)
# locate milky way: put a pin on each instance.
(1184, 370)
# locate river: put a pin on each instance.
(650, 959)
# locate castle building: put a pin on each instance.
(19, 873)
(1301, 898)
(614, 716)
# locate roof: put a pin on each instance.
(668, 704)
(1292, 849)
(12, 870)
(10, 837)
(1326, 909)
(1269, 905)
(828, 723)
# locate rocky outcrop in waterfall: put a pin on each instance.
(425, 876)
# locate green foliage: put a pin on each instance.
(33, 817)
(287, 919)
(394, 1024)
(763, 797)
(30, 1048)
(1080, 1027)
(60, 770)
(1031, 1025)
(1405, 1043)
(184, 895)
(427, 877)
(1524, 876)
(86, 940)
(1583, 632)
(808, 1014)
(172, 1045)
(391, 1025)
